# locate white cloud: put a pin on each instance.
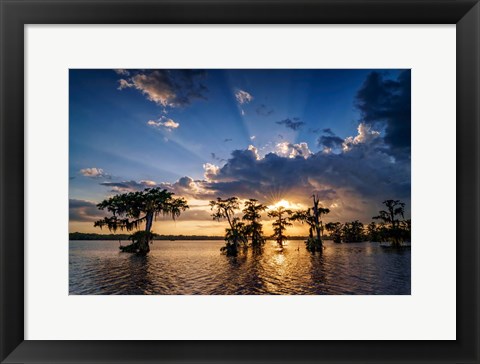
(286, 149)
(121, 71)
(365, 135)
(254, 150)
(187, 186)
(243, 97)
(93, 172)
(211, 170)
(148, 183)
(124, 84)
(164, 122)
(156, 87)
(168, 88)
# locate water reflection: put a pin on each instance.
(197, 267)
(317, 273)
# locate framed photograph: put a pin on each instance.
(240, 181)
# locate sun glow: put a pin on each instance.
(283, 203)
(287, 205)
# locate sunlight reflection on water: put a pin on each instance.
(197, 267)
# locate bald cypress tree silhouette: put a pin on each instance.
(130, 210)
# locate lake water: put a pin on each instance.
(198, 267)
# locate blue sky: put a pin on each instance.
(179, 129)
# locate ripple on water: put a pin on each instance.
(197, 267)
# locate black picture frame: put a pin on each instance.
(15, 14)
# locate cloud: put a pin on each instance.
(188, 187)
(93, 172)
(263, 110)
(210, 170)
(330, 141)
(386, 103)
(164, 122)
(84, 211)
(185, 182)
(352, 182)
(254, 150)
(148, 183)
(243, 97)
(289, 150)
(122, 84)
(122, 72)
(293, 124)
(365, 135)
(202, 213)
(129, 186)
(168, 88)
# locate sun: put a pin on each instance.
(283, 203)
(286, 205)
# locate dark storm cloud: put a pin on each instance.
(330, 141)
(169, 88)
(185, 182)
(263, 110)
(388, 103)
(294, 123)
(363, 173)
(84, 211)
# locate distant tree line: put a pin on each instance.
(392, 228)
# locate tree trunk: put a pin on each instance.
(144, 242)
(280, 227)
(317, 222)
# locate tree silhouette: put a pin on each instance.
(353, 232)
(374, 232)
(313, 218)
(280, 224)
(406, 230)
(394, 208)
(306, 217)
(130, 210)
(318, 212)
(253, 228)
(235, 234)
(335, 230)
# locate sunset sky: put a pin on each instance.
(275, 135)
